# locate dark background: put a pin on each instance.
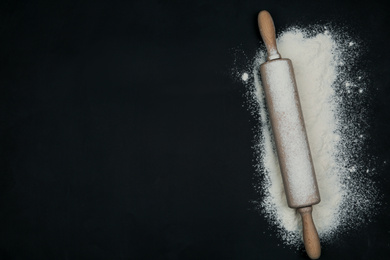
(125, 132)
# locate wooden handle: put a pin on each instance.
(310, 235)
(267, 31)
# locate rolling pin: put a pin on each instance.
(289, 133)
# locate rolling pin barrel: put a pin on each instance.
(290, 137)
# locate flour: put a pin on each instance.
(245, 76)
(328, 92)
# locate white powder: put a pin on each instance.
(335, 126)
(245, 76)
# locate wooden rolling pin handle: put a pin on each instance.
(310, 235)
(267, 31)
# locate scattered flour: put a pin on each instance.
(245, 76)
(329, 92)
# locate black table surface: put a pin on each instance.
(126, 133)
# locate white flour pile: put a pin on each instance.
(332, 96)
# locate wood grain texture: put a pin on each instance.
(267, 32)
(310, 235)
